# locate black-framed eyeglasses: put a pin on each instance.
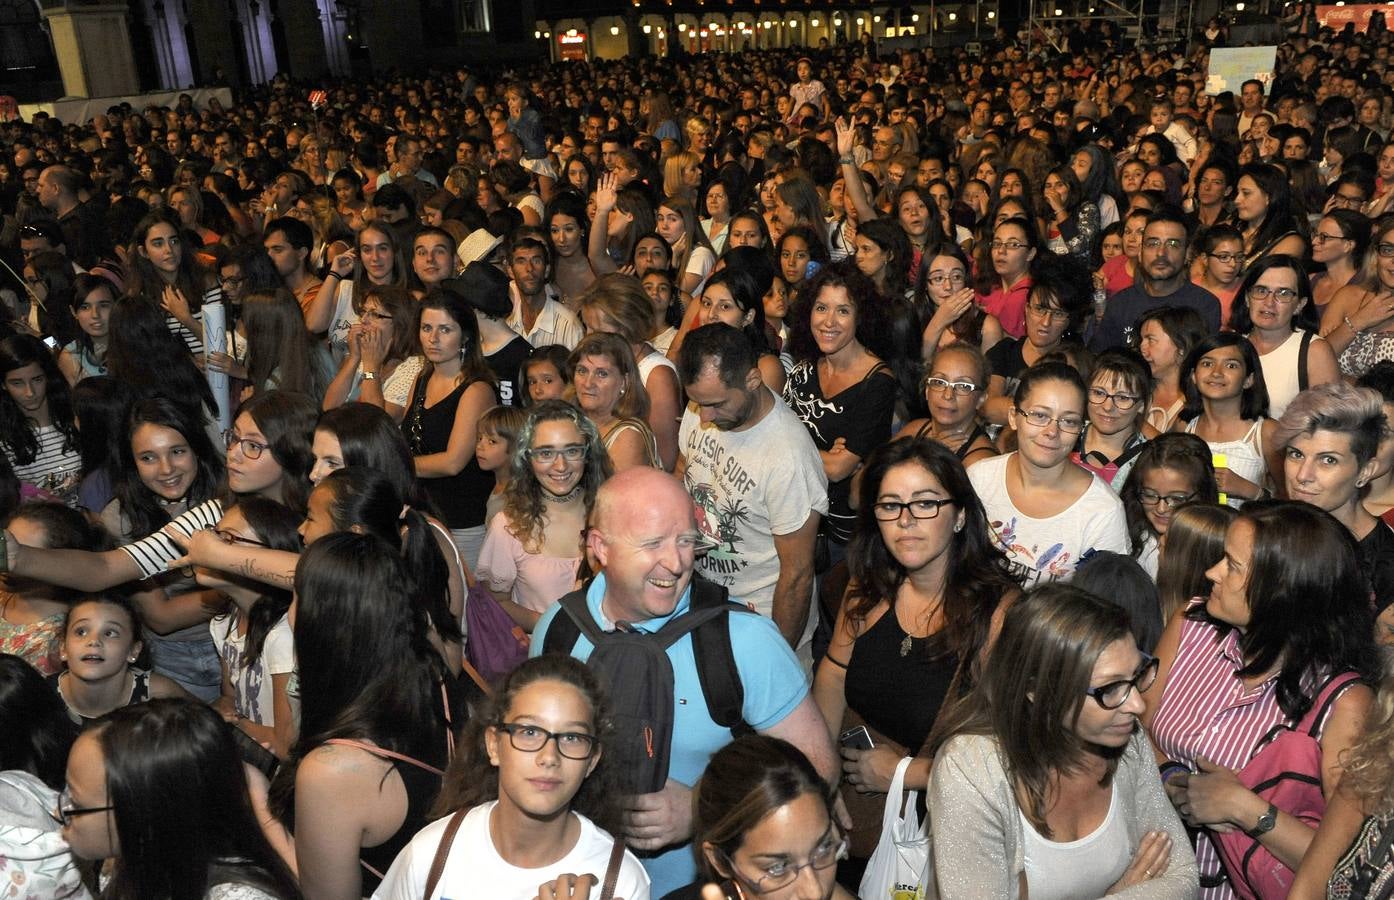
(1228, 258)
(939, 279)
(230, 280)
(1116, 693)
(780, 873)
(1049, 313)
(548, 455)
(532, 738)
(230, 537)
(1098, 396)
(1149, 497)
(376, 316)
(890, 510)
(66, 812)
(1040, 419)
(962, 388)
(250, 449)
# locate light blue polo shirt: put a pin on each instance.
(773, 680)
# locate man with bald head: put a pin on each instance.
(83, 223)
(644, 536)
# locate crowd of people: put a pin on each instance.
(611, 477)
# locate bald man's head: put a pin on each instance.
(644, 537)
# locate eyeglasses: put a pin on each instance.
(1322, 237)
(939, 279)
(230, 537)
(1346, 200)
(1097, 396)
(962, 388)
(781, 873)
(1149, 497)
(1116, 693)
(376, 316)
(66, 811)
(231, 280)
(531, 739)
(548, 455)
(1047, 312)
(1040, 419)
(1155, 243)
(1261, 292)
(890, 510)
(250, 449)
(1007, 245)
(1385, 250)
(1228, 258)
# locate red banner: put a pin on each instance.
(1336, 17)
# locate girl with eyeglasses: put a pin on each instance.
(1046, 787)
(1287, 623)
(954, 390)
(1119, 390)
(253, 638)
(1274, 310)
(764, 821)
(533, 552)
(950, 309)
(1358, 323)
(1219, 265)
(926, 594)
(1227, 407)
(1339, 242)
(1171, 471)
(528, 804)
(1014, 245)
(201, 819)
(1045, 512)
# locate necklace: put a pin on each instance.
(568, 496)
(905, 646)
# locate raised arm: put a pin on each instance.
(853, 188)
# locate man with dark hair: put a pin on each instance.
(83, 226)
(756, 477)
(1163, 280)
(538, 314)
(288, 242)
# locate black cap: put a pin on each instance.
(484, 287)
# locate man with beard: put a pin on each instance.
(1162, 281)
(538, 315)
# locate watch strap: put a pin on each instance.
(1266, 823)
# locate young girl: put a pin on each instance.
(1119, 391)
(498, 435)
(676, 222)
(254, 640)
(569, 228)
(667, 310)
(1171, 471)
(952, 314)
(1222, 254)
(1194, 542)
(532, 798)
(93, 298)
(166, 274)
(734, 297)
(37, 431)
(545, 374)
(1227, 407)
(101, 645)
(280, 352)
(1165, 336)
(800, 254)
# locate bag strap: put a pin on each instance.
(478, 679)
(716, 659)
(574, 605)
(384, 753)
(1315, 720)
(443, 852)
(1302, 360)
(612, 871)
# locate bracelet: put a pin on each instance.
(847, 161)
(333, 274)
(1351, 326)
(1170, 768)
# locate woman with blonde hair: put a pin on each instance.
(609, 392)
(332, 234)
(682, 175)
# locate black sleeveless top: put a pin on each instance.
(461, 498)
(140, 692)
(422, 787)
(899, 695)
(964, 448)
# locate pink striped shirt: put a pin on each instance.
(1206, 711)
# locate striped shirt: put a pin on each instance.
(1206, 711)
(153, 554)
(55, 468)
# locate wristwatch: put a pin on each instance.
(368, 375)
(1266, 823)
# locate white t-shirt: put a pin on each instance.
(344, 316)
(1049, 549)
(749, 486)
(252, 693)
(700, 263)
(475, 868)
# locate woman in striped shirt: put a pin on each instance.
(1289, 611)
(37, 432)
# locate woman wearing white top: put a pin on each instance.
(1047, 787)
(532, 798)
(1274, 310)
(676, 221)
(1045, 512)
(376, 259)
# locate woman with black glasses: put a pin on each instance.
(1170, 471)
(1045, 787)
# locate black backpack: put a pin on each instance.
(638, 676)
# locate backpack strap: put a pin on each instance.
(612, 871)
(1302, 360)
(443, 852)
(384, 753)
(563, 630)
(716, 660)
(1315, 721)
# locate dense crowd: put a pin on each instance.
(620, 477)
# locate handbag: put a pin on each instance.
(900, 868)
(1285, 771)
(607, 889)
(494, 643)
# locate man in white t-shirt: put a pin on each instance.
(756, 478)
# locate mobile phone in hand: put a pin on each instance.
(857, 738)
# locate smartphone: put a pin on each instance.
(856, 738)
(254, 754)
(811, 269)
(51, 343)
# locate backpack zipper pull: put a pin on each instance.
(648, 740)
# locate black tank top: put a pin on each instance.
(963, 448)
(422, 787)
(461, 498)
(899, 695)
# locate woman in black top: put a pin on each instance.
(453, 390)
